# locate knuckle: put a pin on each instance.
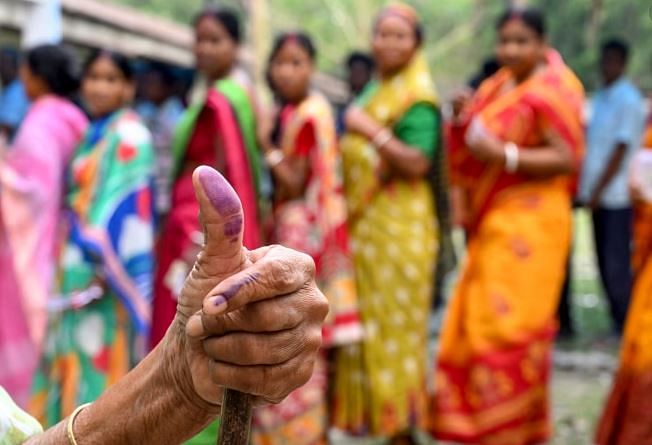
(313, 339)
(318, 303)
(308, 264)
(290, 315)
(304, 371)
(283, 276)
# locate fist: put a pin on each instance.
(247, 320)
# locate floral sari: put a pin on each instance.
(100, 311)
(380, 383)
(626, 419)
(494, 359)
(314, 224)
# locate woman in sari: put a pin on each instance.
(521, 145)
(626, 419)
(219, 131)
(380, 384)
(99, 315)
(31, 179)
(310, 216)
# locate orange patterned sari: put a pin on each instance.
(494, 358)
(626, 419)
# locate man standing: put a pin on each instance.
(614, 134)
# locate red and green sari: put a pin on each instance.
(219, 132)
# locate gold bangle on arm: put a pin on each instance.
(71, 421)
(274, 158)
(511, 157)
(382, 138)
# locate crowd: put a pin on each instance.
(104, 262)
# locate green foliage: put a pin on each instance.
(459, 34)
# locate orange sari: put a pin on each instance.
(626, 419)
(643, 219)
(494, 357)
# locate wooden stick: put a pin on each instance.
(235, 423)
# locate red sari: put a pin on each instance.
(218, 140)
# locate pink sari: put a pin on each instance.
(31, 186)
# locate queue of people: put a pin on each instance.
(120, 253)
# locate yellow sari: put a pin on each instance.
(494, 357)
(380, 384)
(626, 419)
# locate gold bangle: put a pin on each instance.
(381, 138)
(274, 157)
(71, 421)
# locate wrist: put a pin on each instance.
(381, 137)
(274, 157)
(510, 155)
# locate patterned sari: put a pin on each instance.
(626, 419)
(494, 357)
(314, 224)
(219, 132)
(380, 384)
(100, 313)
(31, 191)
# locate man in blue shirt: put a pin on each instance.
(13, 100)
(614, 134)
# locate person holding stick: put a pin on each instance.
(246, 320)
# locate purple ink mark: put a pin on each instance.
(233, 290)
(219, 300)
(233, 226)
(219, 191)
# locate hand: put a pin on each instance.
(357, 121)
(249, 321)
(483, 144)
(459, 102)
(264, 130)
(594, 202)
(635, 191)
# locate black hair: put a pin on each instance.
(489, 67)
(618, 46)
(120, 60)
(532, 17)
(11, 54)
(300, 37)
(56, 66)
(164, 72)
(361, 58)
(225, 17)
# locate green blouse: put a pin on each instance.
(419, 128)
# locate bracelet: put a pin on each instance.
(274, 158)
(511, 157)
(71, 421)
(382, 138)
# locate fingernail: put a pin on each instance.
(218, 302)
(219, 191)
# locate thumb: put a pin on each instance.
(222, 220)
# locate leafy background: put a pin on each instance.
(459, 34)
